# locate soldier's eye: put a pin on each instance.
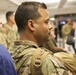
(46, 22)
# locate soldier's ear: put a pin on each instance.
(31, 25)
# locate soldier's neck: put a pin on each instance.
(9, 23)
(27, 36)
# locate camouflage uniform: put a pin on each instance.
(12, 35)
(66, 29)
(68, 60)
(22, 54)
(3, 37)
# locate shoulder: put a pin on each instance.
(65, 56)
(6, 63)
(4, 53)
(2, 47)
(6, 26)
(64, 26)
(22, 50)
(7, 66)
(15, 27)
(68, 60)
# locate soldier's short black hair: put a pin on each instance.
(26, 11)
(8, 14)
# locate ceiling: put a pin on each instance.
(54, 6)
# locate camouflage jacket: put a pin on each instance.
(23, 52)
(68, 60)
(12, 35)
(3, 37)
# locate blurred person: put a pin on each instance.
(29, 58)
(66, 29)
(52, 30)
(6, 63)
(3, 36)
(11, 29)
(72, 36)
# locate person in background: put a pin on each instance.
(32, 20)
(72, 36)
(6, 63)
(11, 29)
(66, 29)
(52, 30)
(3, 36)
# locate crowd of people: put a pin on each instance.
(31, 48)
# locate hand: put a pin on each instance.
(69, 72)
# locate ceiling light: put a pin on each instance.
(46, 1)
(52, 18)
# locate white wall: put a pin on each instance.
(3, 16)
(62, 11)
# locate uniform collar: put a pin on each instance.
(26, 42)
(9, 27)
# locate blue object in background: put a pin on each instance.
(6, 63)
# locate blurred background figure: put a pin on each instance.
(66, 29)
(52, 30)
(3, 36)
(11, 29)
(71, 39)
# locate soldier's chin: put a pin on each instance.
(48, 38)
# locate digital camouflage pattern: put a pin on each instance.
(23, 53)
(12, 35)
(3, 37)
(68, 60)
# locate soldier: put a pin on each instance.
(2, 35)
(71, 39)
(33, 23)
(11, 30)
(66, 29)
